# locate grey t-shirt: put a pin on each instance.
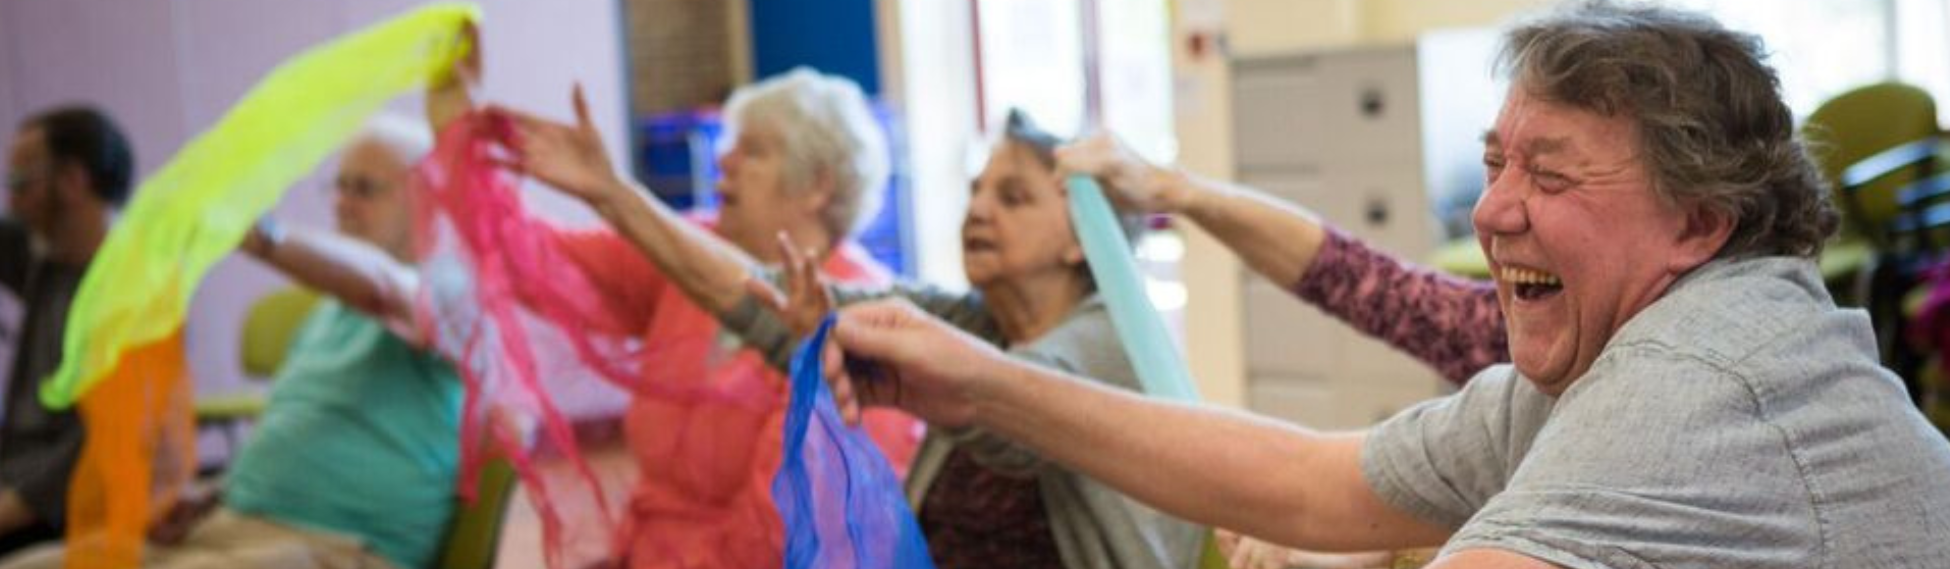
(1740, 421)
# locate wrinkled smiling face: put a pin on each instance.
(1576, 237)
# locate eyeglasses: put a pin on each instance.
(359, 188)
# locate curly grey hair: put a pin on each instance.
(1713, 128)
(825, 127)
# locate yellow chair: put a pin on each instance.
(268, 328)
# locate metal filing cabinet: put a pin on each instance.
(1344, 134)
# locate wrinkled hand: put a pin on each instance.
(14, 513)
(805, 301)
(452, 95)
(890, 353)
(191, 507)
(1128, 179)
(568, 157)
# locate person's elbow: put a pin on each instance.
(384, 298)
(369, 301)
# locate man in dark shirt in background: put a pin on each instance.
(68, 170)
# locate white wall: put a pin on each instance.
(937, 103)
(1401, 20)
(167, 70)
(1261, 26)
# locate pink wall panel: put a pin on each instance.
(118, 55)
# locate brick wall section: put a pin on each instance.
(680, 55)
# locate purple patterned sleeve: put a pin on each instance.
(1451, 324)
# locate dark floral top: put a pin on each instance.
(1454, 325)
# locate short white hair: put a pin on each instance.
(825, 126)
(409, 139)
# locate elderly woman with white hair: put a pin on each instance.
(807, 163)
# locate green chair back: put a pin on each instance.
(1210, 557)
(1858, 124)
(269, 326)
(475, 534)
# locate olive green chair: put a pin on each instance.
(269, 325)
(1210, 557)
(475, 535)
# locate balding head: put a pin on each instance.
(408, 139)
(371, 201)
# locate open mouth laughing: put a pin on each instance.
(1532, 284)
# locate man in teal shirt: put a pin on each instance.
(361, 435)
(360, 439)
